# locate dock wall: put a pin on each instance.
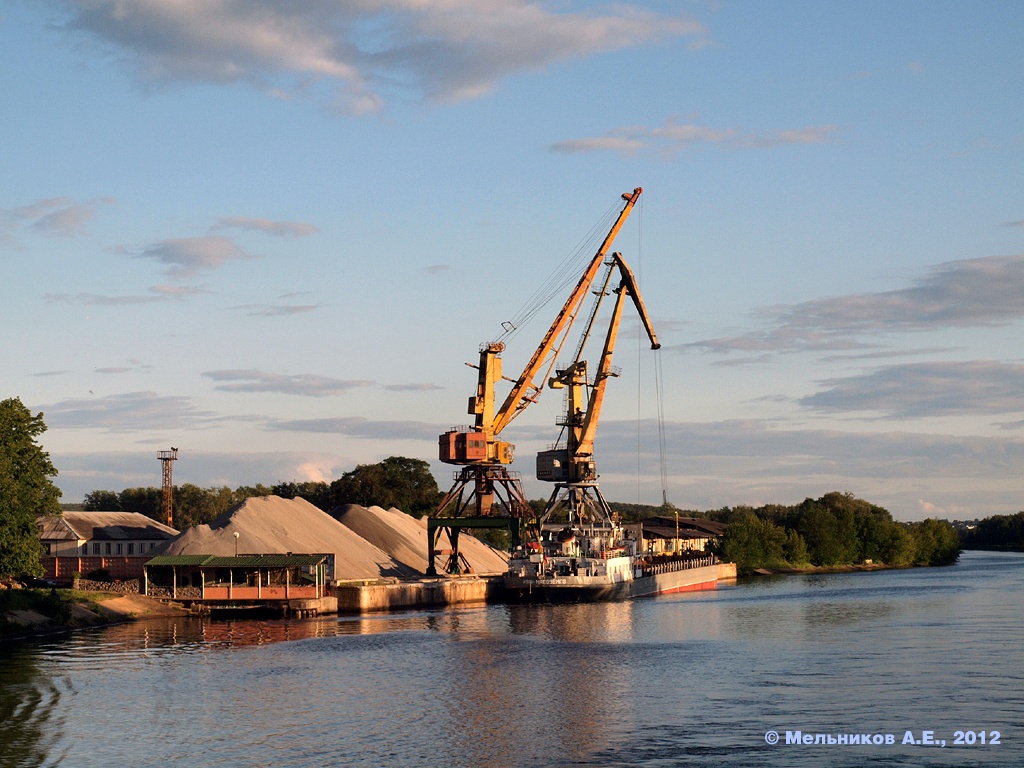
(372, 598)
(727, 571)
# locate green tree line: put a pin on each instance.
(835, 530)
(26, 488)
(999, 532)
(403, 483)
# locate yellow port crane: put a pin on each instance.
(570, 465)
(479, 449)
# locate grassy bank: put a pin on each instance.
(813, 569)
(27, 612)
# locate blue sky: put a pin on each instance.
(271, 234)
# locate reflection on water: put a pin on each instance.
(693, 679)
(29, 713)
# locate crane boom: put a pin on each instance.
(627, 285)
(574, 463)
(525, 390)
(480, 445)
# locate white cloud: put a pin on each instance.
(412, 387)
(128, 412)
(623, 144)
(186, 256)
(359, 427)
(712, 464)
(157, 293)
(917, 390)
(306, 384)
(58, 216)
(971, 293)
(275, 310)
(674, 137)
(80, 473)
(275, 228)
(446, 50)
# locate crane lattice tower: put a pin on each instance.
(166, 457)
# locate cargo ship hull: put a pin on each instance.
(581, 589)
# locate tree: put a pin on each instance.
(406, 484)
(937, 542)
(752, 543)
(316, 493)
(26, 490)
(147, 501)
(829, 531)
(795, 548)
(102, 501)
(194, 505)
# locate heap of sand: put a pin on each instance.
(270, 525)
(404, 538)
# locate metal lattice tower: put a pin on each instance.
(166, 457)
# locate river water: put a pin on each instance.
(684, 680)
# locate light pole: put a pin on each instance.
(236, 535)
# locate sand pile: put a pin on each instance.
(482, 556)
(405, 544)
(404, 538)
(271, 525)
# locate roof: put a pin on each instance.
(242, 561)
(671, 532)
(103, 526)
(708, 527)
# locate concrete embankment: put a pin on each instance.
(365, 597)
(428, 593)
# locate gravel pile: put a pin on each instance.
(268, 525)
(404, 538)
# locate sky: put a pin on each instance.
(272, 234)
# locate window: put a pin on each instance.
(131, 548)
(48, 549)
(95, 548)
(106, 548)
(120, 548)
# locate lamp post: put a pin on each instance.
(236, 535)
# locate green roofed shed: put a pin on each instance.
(241, 561)
(244, 578)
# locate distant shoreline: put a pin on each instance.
(815, 569)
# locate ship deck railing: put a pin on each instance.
(679, 565)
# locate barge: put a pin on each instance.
(586, 564)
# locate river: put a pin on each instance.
(701, 679)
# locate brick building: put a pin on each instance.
(120, 542)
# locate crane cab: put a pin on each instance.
(470, 446)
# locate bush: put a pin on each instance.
(99, 574)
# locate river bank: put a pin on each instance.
(817, 569)
(32, 612)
